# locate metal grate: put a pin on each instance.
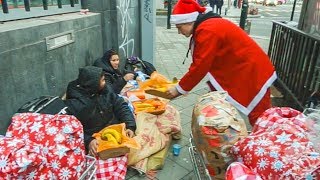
(199, 166)
(295, 55)
(23, 9)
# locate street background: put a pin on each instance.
(171, 49)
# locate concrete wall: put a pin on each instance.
(120, 21)
(28, 70)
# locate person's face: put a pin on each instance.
(185, 29)
(114, 61)
(102, 82)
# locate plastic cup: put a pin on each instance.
(176, 149)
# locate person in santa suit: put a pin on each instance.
(227, 56)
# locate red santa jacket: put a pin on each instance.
(232, 61)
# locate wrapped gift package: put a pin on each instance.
(57, 138)
(216, 126)
(279, 147)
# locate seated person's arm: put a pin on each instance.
(123, 113)
(116, 85)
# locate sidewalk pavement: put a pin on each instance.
(171, 49)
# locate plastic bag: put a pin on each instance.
(313, 124)
(126, 141)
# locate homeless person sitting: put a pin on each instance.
(114, 76)
(96, 105)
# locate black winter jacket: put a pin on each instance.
(114, 77)
(95, 109)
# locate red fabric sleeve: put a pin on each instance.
(206, 43)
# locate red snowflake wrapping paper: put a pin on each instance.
(238, 171)
(18, 158)
(278, 147)
(59, 138)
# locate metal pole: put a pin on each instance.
(45, 4)
(15, 3)
(59, 4)
(84, 4)
(27, 5)
(72, 3)
(5, 8)
(244, 12)
(293, 9)
(169, 14)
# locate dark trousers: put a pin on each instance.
(212, 4)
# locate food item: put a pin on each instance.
(153, 105)
(114, 133)
(111, 135)
(111, 138)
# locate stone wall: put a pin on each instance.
(28, 70)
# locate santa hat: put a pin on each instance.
(186, 11)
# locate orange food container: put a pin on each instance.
(138, 93)
(153, 106)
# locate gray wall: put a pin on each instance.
(120, 25)
(28, 70)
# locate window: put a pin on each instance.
(21, 9)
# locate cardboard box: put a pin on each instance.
(114, 152)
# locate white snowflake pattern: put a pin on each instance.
(32, 175)
(67, 129)
(235, 149)
(55, 164)
(274, 154)
(296, 145)
(25, 137)
(309, 176)
(71, 159)
(78, 168)
(52, 131)
(71, 139)
(59, 138)
(278, 165)
(65, 173)
(250, 144)
(13, 143)
(61, 151)
(283, 138)
(75, 124)
(1, 149)
(263, 141)
(4, 164)
(300, 135)
(260, 151)
(77, 151)
(36, 127)
(40, 136)
(248, 158)
(262, 163)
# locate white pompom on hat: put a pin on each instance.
(186, 11)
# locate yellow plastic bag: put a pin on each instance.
(156, 81)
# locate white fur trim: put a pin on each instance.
(180, 90)
(183, 18)
(253, 103)
(208, 9)
(262, 92)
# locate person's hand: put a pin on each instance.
(129, 133)
(93, 147)
(128, 76)
(172, 93)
